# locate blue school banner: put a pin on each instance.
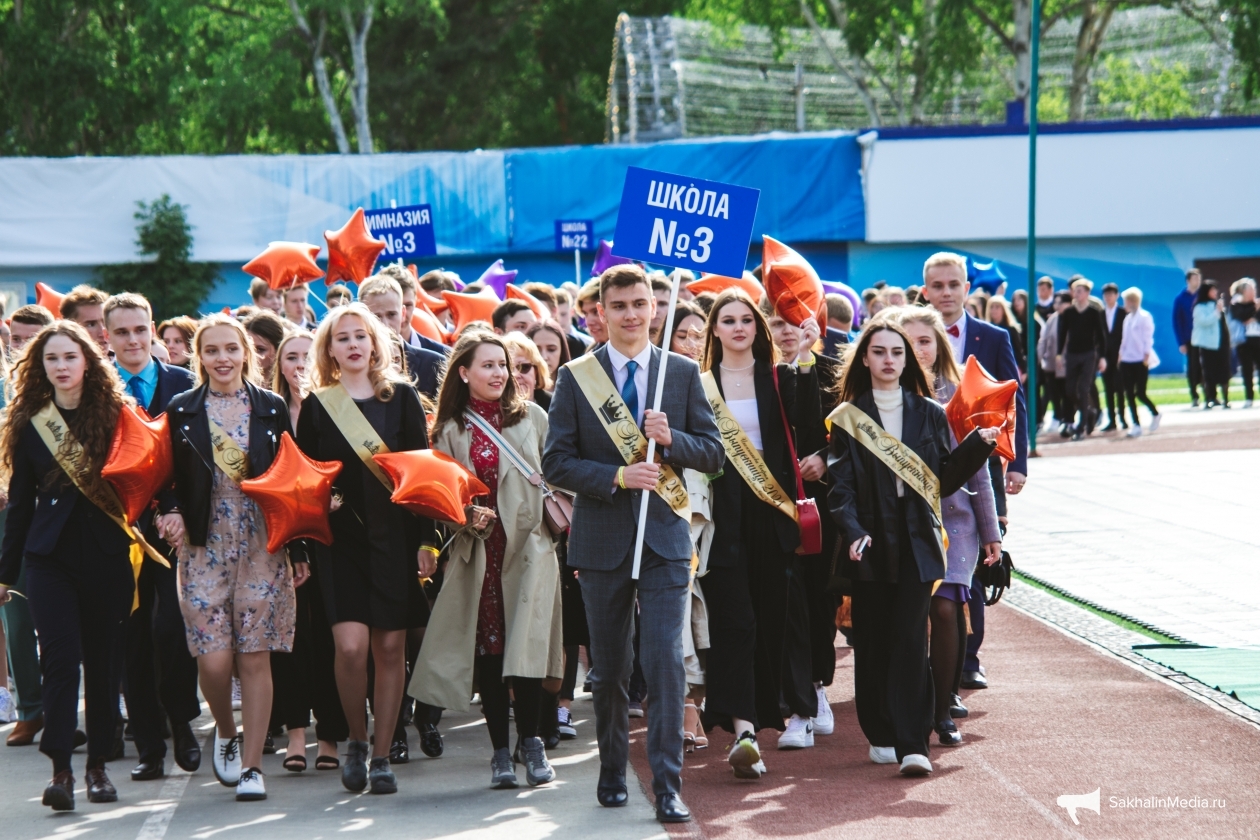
(406, 231)
(575, 235)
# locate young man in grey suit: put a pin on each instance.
(601, 403)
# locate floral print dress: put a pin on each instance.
(485, 459)
(232, 593)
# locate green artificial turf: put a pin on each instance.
(1235, 671)
(1098, 611)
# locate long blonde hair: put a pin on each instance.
(946, 366)
(249, 370)
(324, 370)
(278, 383)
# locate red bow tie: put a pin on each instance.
(953, 330)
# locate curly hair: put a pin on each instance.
(324, 371)
(92, 424)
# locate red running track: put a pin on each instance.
(1060, 718)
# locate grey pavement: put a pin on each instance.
(448, 797)
(1171, 538)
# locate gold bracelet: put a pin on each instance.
(621, 477)
(810, 363)
(429, 548)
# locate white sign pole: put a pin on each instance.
(577, 268)
(668, 331)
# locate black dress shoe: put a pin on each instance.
(399, 753)
(611, 791)
(148, 769)
(99, 787)
(948, 733)
(957, 710)
(59, 795)
(430, 740)
(670, 809)
(187, 747)
(974, 679)
(269, 745)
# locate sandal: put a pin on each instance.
(691, 725)
(295, 763)
(327, 762)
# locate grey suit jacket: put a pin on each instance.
(580, 458)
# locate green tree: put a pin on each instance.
(173, 284)
(1154, 93)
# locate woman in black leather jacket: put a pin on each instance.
(892, 539)
(237, 599)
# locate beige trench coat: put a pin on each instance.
(533, 647)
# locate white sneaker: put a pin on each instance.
(251, 788)
(915, 765)
(1155, 422)
(1135, 431)
(8, 709)
(564, 724)
(745, 757)
(1246, 403)
(236, 694)
(227, 759)
(799, 734)
(883, 755)
(760, 767)
(824, 722)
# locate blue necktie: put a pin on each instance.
(136, 387)
(630, 392)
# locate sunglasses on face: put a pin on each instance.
(524, 368)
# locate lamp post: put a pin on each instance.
(1030, 330)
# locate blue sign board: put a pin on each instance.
(406, 231)
(685, 222)
(575, 235)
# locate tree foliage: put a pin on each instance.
(173, 284)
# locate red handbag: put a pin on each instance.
(807, 518)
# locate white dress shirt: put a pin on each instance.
(1138, 338)
(958, 343)
(620, 370)
(745, 413)
(414, 339)
(1110, 314)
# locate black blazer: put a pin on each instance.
(1115, 335)
(863, 498)
(811, 436)
(438, 347)
(425, 369)
(42, 499)
(800, 399)
(171, 382)
(194, 459)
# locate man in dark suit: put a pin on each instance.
(382, 295)
(580, 456)
(945, 288)
(1113, 314)
(156, 642)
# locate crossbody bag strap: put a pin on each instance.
(787, 431)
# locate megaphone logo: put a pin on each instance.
(1072, 801)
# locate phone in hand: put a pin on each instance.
(863, 544)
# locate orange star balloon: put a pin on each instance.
(141, 461)
(285, 264)
(294, 495)
(431, 483)
(541, 312)
(49, 298)
(982, 402)
(436, 305)
(717, 284)
(794, 287)
(352, 251)
(426, 323)
(466, 309)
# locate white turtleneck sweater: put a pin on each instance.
(890, 405)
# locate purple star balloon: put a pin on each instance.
(497, 278)
(605, 260)
(833, 287)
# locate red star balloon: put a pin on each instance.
(717, 284)
(465, 309)
(352, 251)
(541, 312)
(294, 495)
(49, 298)
(285, 264)
(426, 323)
(794, 287)
(141, 461)
(431, 483)
(982, 402)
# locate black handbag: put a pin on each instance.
(995, 579)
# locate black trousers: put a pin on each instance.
(1194, 372)
(1249, 360)
(730, 690)
(304, 679)
(1214, 364)
(1113, 385)
(161, 673)
(821, 601)
(80, 598)
(1081, 368)
(1135, 375)
(891, 676)
(526, 692)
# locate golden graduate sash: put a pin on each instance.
(355, 428)
(740, 450)
(892, 453)
(228, 455)
(68, 453)
(617, 421)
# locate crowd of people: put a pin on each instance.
(773, 522)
